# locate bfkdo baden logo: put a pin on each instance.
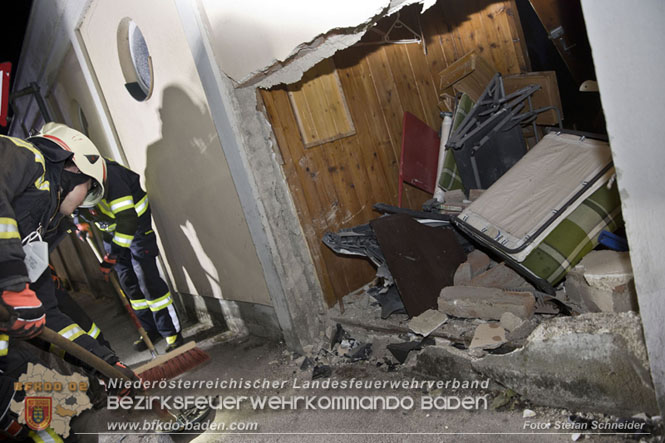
(38, 412)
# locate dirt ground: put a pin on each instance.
(251, 359)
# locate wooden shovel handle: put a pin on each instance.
(73, 349)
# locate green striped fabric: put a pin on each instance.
(575, 236)
(450, 178)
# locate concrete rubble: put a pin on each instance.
(446, 363)
(593, 362)
(488, 336)
(427, 322)
(602, 282)
(477, 262)
(500, 276)
(485, 303)
(492, 324)
(510, 321)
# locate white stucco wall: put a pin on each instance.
(250, 36)
(627, 42)
(70, 92)
(171, 141)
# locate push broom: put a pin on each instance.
(166, 366)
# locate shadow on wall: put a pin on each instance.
(181, 194)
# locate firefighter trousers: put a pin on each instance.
(60, 323)
(148, 293)
(70, 308)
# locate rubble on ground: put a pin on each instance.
(602, 282)
(593, 362)
(527, 296)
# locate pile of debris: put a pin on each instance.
(523, 281)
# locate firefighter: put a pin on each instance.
(123, 215)
(42, 181)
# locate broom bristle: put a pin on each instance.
(175, 366)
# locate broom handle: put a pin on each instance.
(74, 349)
(123, 298)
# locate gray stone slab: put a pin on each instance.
(446, 363)
(592, 362)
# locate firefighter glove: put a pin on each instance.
(106, 266)
(83, 231)
(123, 390)
(26, 313)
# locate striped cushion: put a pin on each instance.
(575, 236)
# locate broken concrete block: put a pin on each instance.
(522, 331)
(607, 269)
(446, 363)
(510, 321)
(463, 275)
(427, 322)
(500, 276)
(588, 298)
(479, 262)
(488, 336)
(592, 362)
(485, 303)
(602, 282)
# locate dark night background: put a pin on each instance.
(14, 20)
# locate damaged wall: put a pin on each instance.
(271, 31)
(632, 96)
(335, 184)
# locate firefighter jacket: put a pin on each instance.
(123, 211)
(29, 201)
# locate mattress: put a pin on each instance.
(546, 212)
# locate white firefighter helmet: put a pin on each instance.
(86, 157)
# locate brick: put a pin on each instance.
(484, 303)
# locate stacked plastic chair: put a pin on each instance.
(489, 141)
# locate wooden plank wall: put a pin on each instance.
(334, 185)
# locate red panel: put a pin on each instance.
(5, 72)
(420, 155)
